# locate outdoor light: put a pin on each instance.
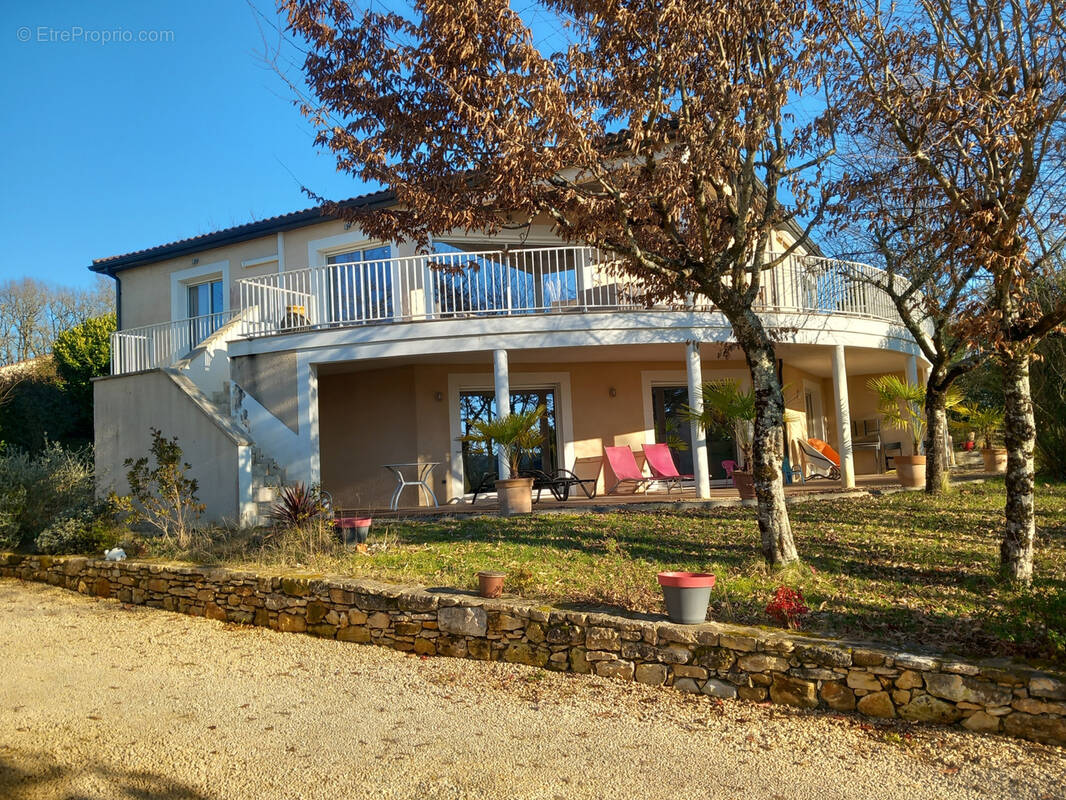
(438, 396)
(612, 392)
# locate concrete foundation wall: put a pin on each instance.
(127, 407)
(271, 380)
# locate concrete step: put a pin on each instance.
(265, 494)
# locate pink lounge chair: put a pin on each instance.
(729, 466)
(661, 463)
(624, 466)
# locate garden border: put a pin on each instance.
(725, 661)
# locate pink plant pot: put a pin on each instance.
(353, 529)
(686, 580)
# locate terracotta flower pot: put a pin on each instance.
(745, 483)
(490, 584)
(995, 459)
(910, 470)
(687, 595)
(515, 496)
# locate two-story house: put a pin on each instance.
(297, 349)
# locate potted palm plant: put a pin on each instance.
(731, 410)
(987, 422)
(513, 435)
(902, 404)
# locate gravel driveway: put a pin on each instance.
(103, 700)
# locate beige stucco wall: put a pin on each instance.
(124, 410)
(370, 418)
(366, 419)
(271, 379)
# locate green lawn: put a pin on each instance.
(900, 568)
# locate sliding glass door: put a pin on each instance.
(477, 406)
(672, 428)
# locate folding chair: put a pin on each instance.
(661, 463)
(625, 468)
(822, 466)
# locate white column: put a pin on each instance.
(314, 441)
(502, 380)
(912, 369)
(699, 436)
(840, 395)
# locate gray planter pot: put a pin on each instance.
(353, 530)
(687, 595)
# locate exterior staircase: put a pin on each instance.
(267, 475)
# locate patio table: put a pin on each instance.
(874, 445)
(420, 472)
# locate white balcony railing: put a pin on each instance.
(507, 283)
(471, 284)
(152, 346)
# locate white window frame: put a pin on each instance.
(817, 402)
(181, 280)
(519, 382)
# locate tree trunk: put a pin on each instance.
(775, 530)
(1019, 430)
(936, 423)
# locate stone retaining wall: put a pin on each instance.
(714, 659)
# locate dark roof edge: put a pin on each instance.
(234, 235)
(279, 224)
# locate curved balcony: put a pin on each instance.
(488, 285)
(503, 283)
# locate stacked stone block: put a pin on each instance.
(717, 660)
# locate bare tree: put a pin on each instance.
(664, 135)
(973, 92)
(33, 313)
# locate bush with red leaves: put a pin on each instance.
(787, 606)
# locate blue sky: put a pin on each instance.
(108, 147)
(112, 146)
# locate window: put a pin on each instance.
(360, 285)
(813, 406)
(206, 304)
(205, 298)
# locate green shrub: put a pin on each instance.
(36, 491)
(38, 410)
(164, 496)
(77, 533)
(82, 353)
(12, 502)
